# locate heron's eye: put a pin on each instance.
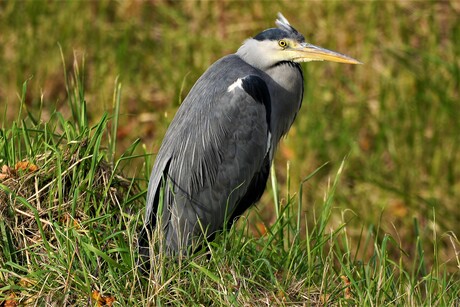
(282, 43)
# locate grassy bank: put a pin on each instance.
(69, 221)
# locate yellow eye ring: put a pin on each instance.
(282, 43)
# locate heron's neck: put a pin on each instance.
(288, 75)
(284, 80)
(254, 53)
(286, 94)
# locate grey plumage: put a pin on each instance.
(215, 157)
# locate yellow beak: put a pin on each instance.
(307, 52)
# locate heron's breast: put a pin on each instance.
(286, 93)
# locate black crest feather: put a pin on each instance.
(284, 30)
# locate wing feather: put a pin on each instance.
(214, 148)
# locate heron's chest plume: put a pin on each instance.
(286, 91)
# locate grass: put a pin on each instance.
(378, 228)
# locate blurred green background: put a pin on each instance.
(395, 118)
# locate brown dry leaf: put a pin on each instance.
(68, 220)
(324, 298)
(109, 300)
(102, 300)
(26, 283)
(65, 218)
(7, 172)
(10, 301)
(281, 295)
(76, 224)
(125, 131)
(33, 168)
(26, 166)
(287, 152)
(347, 282)
(21, 165)
(398, 208)
(365, 140)
(261, 228)
(96, 296)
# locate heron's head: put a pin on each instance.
(283, 44)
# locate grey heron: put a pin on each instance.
(215, 158)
